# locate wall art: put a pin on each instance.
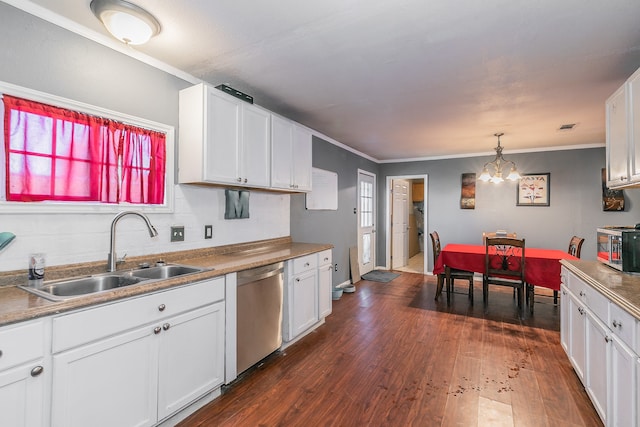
(533, 190)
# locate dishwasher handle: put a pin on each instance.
(259, 273)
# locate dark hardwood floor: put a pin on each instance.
(389, 355)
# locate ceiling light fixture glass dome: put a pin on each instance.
(126, 21)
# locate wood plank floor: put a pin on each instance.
(390, 355)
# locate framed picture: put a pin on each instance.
(468, 191)
(612, 200)
(533, 190)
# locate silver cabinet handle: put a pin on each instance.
(161, 307)
(582, 293)
(239, 179)
(330, 268)
(564, 292)
(157, 330)
(37, 371)
(166, 326)
(607, 338)
(581, 311)
(306, 264)
(298, 279)
(245, 180)
(326, 259)
(617, 324)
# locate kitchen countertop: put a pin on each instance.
(18, 305)
(621, 288)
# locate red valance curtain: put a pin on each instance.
(52, 153)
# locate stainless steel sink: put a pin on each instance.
(73, 288)
(164, 271)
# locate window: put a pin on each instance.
(60, 156)
(57, 154)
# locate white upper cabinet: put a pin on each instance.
(623, 134)
(291, 151)
(223, 140)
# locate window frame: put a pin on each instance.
(87, 207)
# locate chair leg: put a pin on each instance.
(531, 294)
(485, 293)
(471, 291)
(449, 285)
(555, 297)
(439, 286)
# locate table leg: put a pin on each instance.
(447, 272)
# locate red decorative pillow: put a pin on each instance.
(513, 263)
(495, 262)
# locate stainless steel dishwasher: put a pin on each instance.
(259, 322)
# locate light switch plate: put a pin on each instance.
(208, 231)
(177, 234)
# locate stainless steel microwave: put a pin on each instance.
(619, 247)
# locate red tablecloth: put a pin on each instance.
(542, 265)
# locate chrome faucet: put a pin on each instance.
(112, 259)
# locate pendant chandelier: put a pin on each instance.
(497, 165)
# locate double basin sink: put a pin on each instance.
(65, 289)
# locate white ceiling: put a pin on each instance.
(398, 79)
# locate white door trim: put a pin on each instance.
(387, 219)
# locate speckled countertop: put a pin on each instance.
(621, 288)
(18, 305)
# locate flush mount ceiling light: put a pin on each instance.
(497, 164)
(127, 22)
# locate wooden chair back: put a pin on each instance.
(505, 261)
(493, 235)
(575, 245)
(435, 245)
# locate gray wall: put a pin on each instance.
(576, 201)
(336, 227)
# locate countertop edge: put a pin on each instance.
(593, 272)
(17, 305)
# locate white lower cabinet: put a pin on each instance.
(325, 283)
(134, 372)
(601, 347)
(597, 364)
(307, 293)
(24, 375)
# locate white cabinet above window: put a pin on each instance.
(222, 139)
(623, 134)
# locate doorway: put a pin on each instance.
(366, 211)
(406, 220)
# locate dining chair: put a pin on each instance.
(454, 273)
(575, 246)
(504, 264)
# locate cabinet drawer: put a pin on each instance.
(95, 323)
(324, 257)
(21, 343)
(305, 263)
(596, 302)
(623, 325)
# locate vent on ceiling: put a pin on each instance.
(568, 126)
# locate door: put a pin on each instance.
(22, 395)
(366, 221)
(400, 223)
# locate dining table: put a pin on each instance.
(542, 266)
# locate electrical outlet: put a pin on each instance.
(177, 234)
(208, 231)
(336, 267)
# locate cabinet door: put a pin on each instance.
(616, 130)
(622, 387)
(302, 159)
(22, 395)
(191, 357)
(325, 273)
(281, 149)
(303, 302)
(634, 126)
(577, 340)
(112, 382)
(598, 337)
(222, 145)
(565, 320)
(256, 147)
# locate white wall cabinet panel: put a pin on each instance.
(291, 155)
(303, 302)
(577, 319)
(623, 134)
(223, 140)
(565, 319)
